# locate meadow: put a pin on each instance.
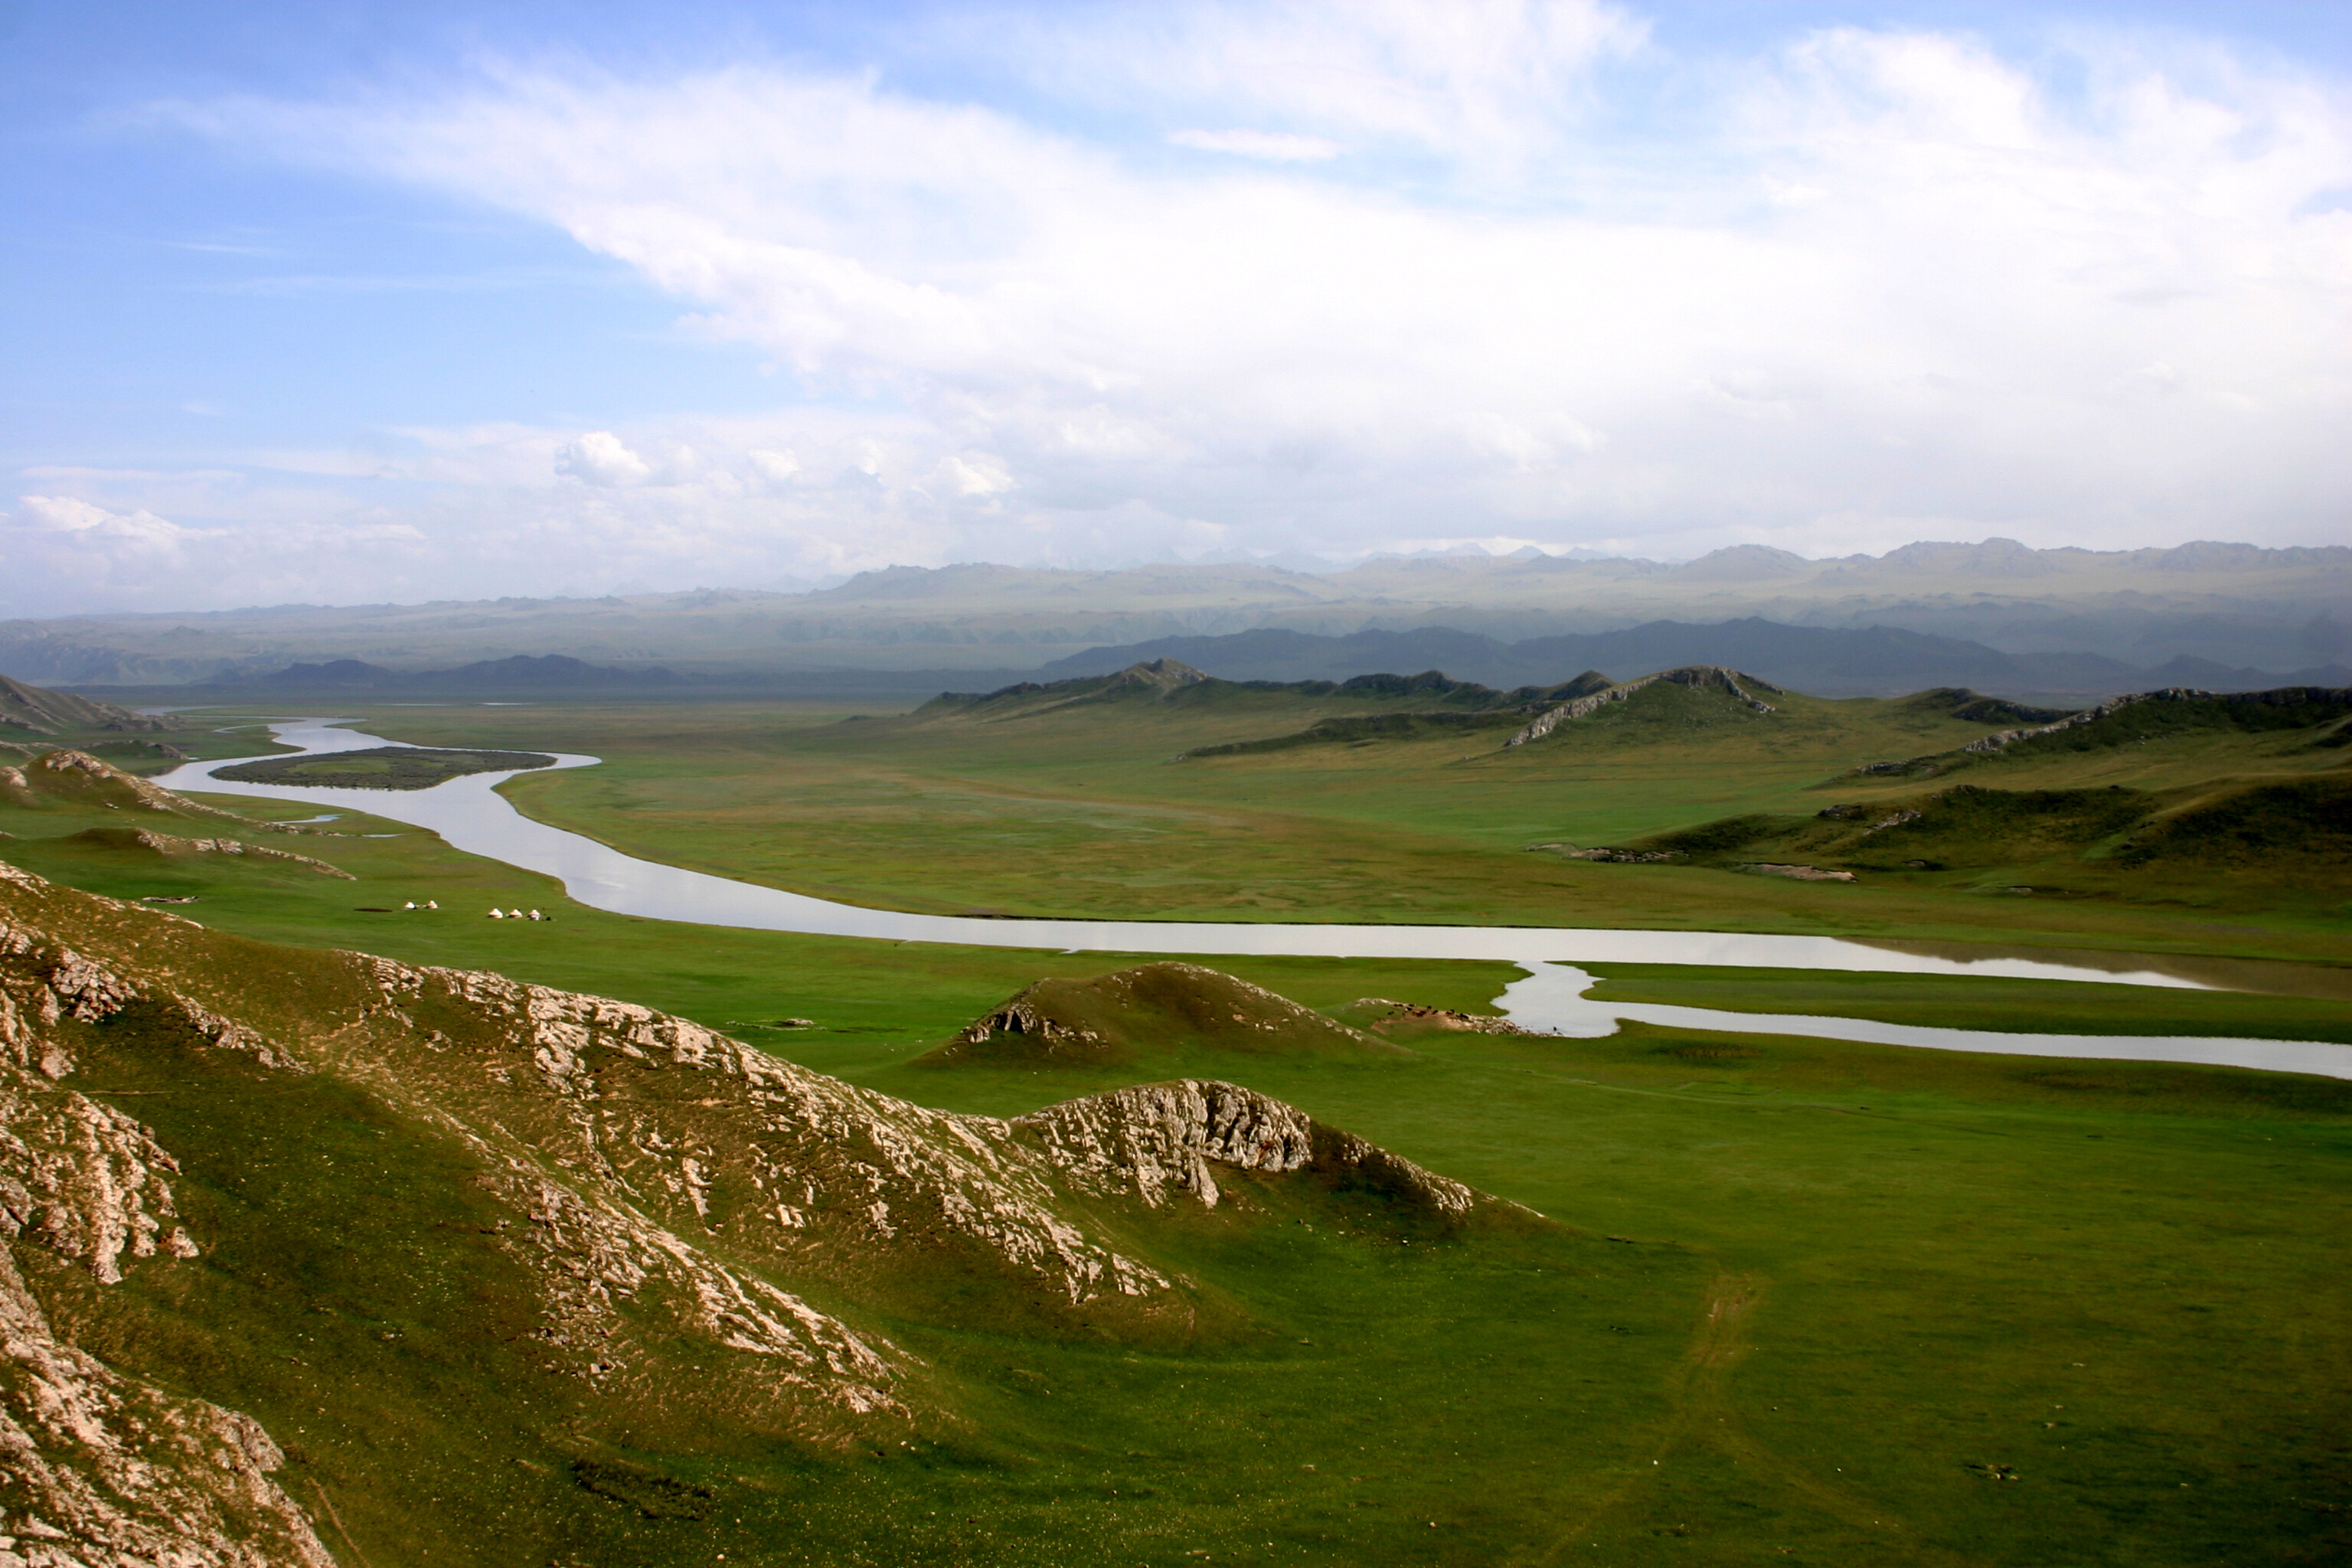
(1811, 1301)
(1084, 812)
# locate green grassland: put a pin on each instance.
(1828, 1303)
(1082, 811)
(381, 767)
(1861, 1285)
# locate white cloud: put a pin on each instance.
(598, 457)
(1274, 146)
(1892, 279)
(67, 515)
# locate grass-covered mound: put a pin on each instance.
(75, 781)
(1368, 729)
(1152, 1010)
(2304, 823)
(382, 767)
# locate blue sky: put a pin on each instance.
(351, 303)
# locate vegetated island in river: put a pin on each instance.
(382, 767)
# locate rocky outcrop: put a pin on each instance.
(1156, 1141)
(1379, 1014)
(1797, 873)
(1161, 1141)
(2307, 703)
(99, 1470)
(1021, 1016)
(167, 843)
(1696, 675)
(77, 778)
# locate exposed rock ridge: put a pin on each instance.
(1156, 1141)
(667, 1178)
(108, 1469)
(169, 843)
(2285, 696)
(105, 1471)
(672, 1192)
(77, 775)
(1714, 675)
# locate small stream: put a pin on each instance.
(471, 815)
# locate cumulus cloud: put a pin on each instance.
(598, 457)
(1889, 282)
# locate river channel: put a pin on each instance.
(470, 814)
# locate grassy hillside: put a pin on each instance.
(1807, 1306)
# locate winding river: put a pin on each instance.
(470, 814)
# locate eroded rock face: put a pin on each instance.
(95, 1467)
(147, 838)
(1021, 1017)
(1158, 1141)
(103, 1470)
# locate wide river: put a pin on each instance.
(469, 814)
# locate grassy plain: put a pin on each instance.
(1083, 813)
(1873, 1306)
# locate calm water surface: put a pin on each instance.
(470, 813)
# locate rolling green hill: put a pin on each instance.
(653, 1292)
(1153, 1011)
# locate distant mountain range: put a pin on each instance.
(521, 671)
(2234, 607)
(1869, 661)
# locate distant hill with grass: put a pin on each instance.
(2030, 801)
(30, 710)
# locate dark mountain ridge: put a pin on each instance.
(1828, 661)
